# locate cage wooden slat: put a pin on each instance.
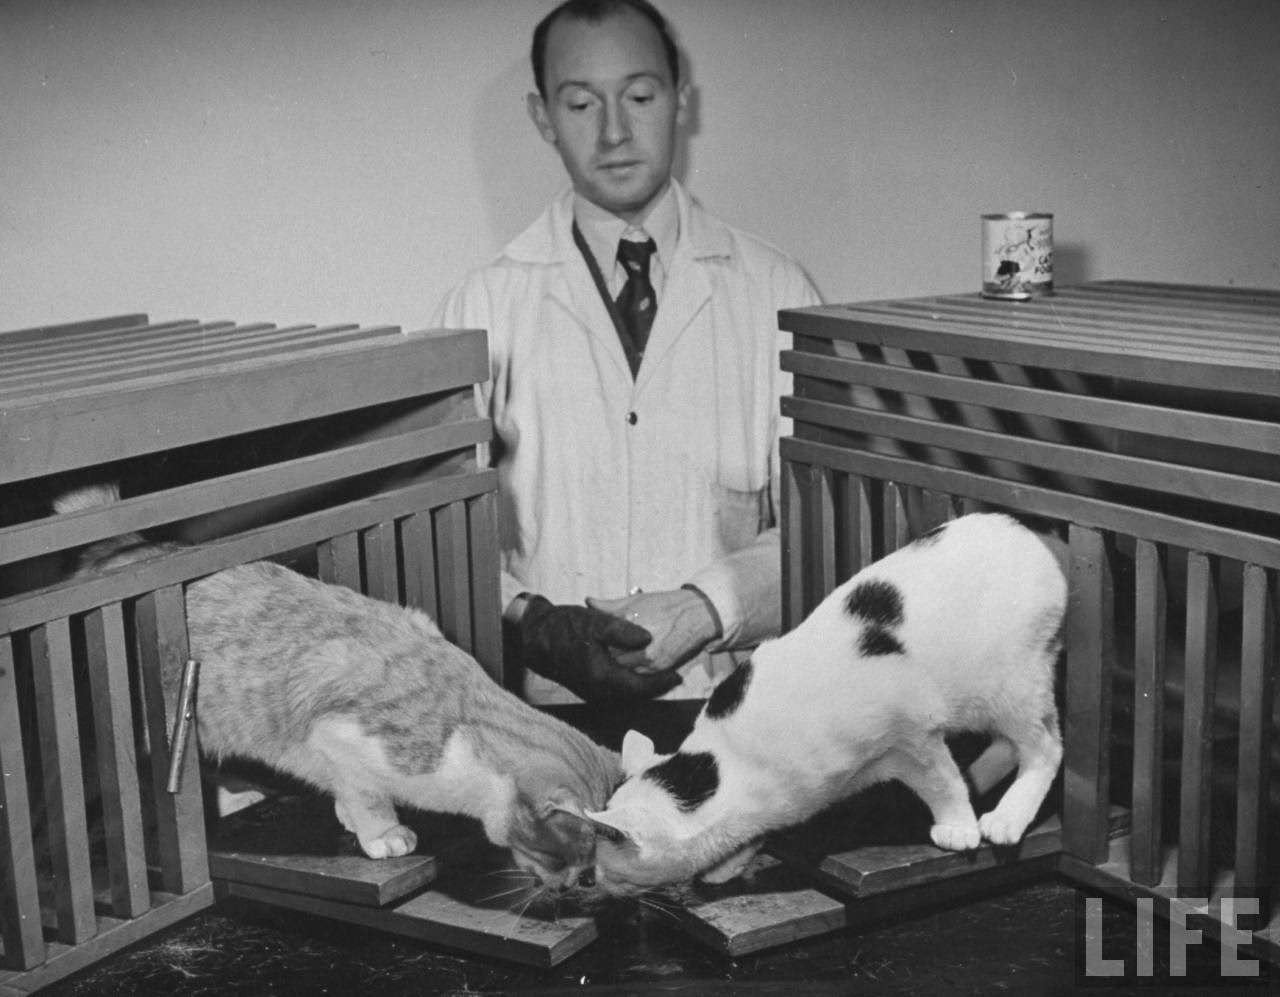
(418, 544)
(454, 574)
(792, 512)
(30, 609)
(113, 356)
(1150, 645)
(45, 433)
(240, 488)
(1110, 413)
(1137, 472)
(92, 338)
(1169, 326)
(1139, 310)
(117, 764)
(1257, 689)
(1040, 501)
(1216, 300)
(142, 346)
(161, 635)
(820, 541)
(180, 363)
(381, 570)
(339, 560)
(20, 898)
(1229, 371)
(20, 346)
(1090, 670)
(897, 521)
(41, 333)
(1195, 873)
(482, 518)
(63, 781)
(1164, 331)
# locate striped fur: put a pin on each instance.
(369, 702)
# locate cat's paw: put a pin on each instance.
(1001, 828)
(391, 843)
(956, 837)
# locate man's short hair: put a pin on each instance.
(595, 11)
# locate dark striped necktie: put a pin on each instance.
(637, 303)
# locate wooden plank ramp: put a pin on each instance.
(875, 869)
(457, 890)
(771, 904)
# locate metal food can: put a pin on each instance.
(1017, 255)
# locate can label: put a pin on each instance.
(1017, 255)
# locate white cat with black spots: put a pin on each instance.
(958, 631)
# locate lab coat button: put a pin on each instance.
(632, 418)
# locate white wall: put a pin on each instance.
(317, 160)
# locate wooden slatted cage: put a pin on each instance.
(1139, 420)
(349, 453)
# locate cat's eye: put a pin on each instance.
(549, 860)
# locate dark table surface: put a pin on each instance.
(1021, 940)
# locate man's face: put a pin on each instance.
(611, 109)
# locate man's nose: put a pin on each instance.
(616, 126)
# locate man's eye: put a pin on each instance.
(642, 98)
(580, 102)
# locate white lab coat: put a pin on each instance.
(609, 484)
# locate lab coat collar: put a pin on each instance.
(549, 240)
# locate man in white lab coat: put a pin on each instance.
(636, 446)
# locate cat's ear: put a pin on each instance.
(563, 801)
(637, 753)
(608, 825)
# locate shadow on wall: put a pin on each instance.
(1071, 264)
(518, 172)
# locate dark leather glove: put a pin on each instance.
(571, 645)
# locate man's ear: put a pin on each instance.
(684, 104)
(637, 753)
(537, 108)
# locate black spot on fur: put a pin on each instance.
(726, 697)
(692, 778)
(877, 602)
(877, 640)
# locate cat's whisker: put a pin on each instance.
(512, 872)
(504, 893)
(518, 915)
(648, 901)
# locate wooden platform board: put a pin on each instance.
(457, 890)
(871, 869)
(290, 851)
(771, 904)
(269, 845)
(441, 919)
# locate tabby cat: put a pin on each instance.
(369, 702)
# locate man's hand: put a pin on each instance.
(680, 620)
(575, 646)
